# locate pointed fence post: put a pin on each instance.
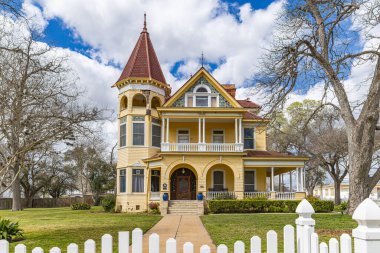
(124, 242)
(20, 248)
(72, 248)
(4, 246)
(137, 236)
(107, 243)
(289, 239)
(305, 224)
(188, 247)
(272, 242)
(255, 244)
(89, 246)
(37, 250)
(222, 249)
(345, 243)
(367, 234)
(239, 247)
(154, 243)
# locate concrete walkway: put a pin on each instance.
(183, 228)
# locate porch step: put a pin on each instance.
(183, 207)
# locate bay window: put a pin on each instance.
(123, 132)
(137, 180)
(138, 128)
(122, 181)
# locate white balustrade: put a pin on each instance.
(285, 195)
(201, 147)
(257, 195)
(220, 195)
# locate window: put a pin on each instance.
(183, 136)
(137, 180)
(214, 102)
(202, 89)
(138, 128)
(248, 138)
(155, 181)
(201, 101)
(249, 180)
(123, 132)
(122, 181)
(189, 101)
(217, 136)
(156, 135)
(218, 179)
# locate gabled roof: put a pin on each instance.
(143, 62)
(248, 104)
(202, 72)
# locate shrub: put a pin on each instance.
(80, 206)
(108, 203)
(154, 207)
(312, 198)
(225, 196)
(256, 198)
(264, 206)
(10, 230)
(342, 208)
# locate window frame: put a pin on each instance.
(254, 179)
(159, 180)
(207, 94)
(253, 137)
(133, 134)
(138, 175)
(212, 135)
(125, 181)
(123, 124)
(159, 143)
(224, 178)
(183, 129)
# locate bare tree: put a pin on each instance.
(317, 42)
(39, 102)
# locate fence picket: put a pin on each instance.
(124, 242)
(333, 245)
(55, 250)
(222, 249)
(38, 250)
(308, 231)
(107, 243)
(72, 248)
(137, 236)
(345, 243)
(272, 242)
(89, 246)
(288, 239)
(323, 248)
(154, 243)
(205, 249)
(239, 247)
(171, 245)
(4, 246)
(20, 248)
(188, 247)
(314, 243)
(255, 244)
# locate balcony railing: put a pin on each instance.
(202, 147)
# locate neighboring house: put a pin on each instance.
(328, 192)
(201, 139)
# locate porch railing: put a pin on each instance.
(220, 195)
(155, 196)
(285, 195)
(257, 195)
(201, 147)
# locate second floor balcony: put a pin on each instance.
(202, 147)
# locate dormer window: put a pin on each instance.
(201, 97)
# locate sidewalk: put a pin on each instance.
(183, 228)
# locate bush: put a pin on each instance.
(342, 208)
(108, 203)
(80, 206)
(256, 198)
(264, 206)
(154, 207)
(10, 230)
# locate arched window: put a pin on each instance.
(123, 103)
(155, 103)
(201, 89)
(202, 97)
(139, 100)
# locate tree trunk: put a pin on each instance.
(337, 192)
(310, 191)
(16, 191)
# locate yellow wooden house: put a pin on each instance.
(201, 139)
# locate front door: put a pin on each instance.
(183, 188)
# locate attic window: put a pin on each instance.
(201, 89)
(202, 97)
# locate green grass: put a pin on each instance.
(228, 228)
(50, 227)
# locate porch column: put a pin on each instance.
(167, 131)
(199, 130)
(163, 131)
(272, 179)
(301, 179)
(297, 179)
(236, 131)
(240, 128)
(290, 181)
(204, 130)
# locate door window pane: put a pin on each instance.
(249, 181)
(155, 181)
(218, 180)
(138, 133)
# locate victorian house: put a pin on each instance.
(197, 140)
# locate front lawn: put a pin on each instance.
(50, 227)
(228, 228)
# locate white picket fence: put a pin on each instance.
(301, 239)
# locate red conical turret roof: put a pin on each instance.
(143, 62)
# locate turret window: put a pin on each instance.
(138, 128)
(156, 135)
(123, 132)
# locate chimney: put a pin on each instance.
(230, 88)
